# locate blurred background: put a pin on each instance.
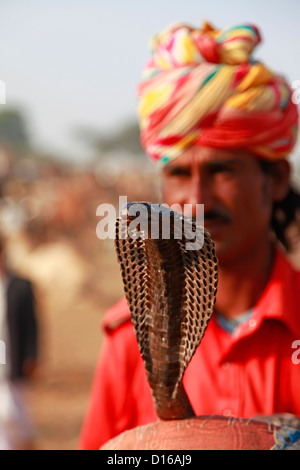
(68, 143)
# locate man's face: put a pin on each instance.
(236, 194)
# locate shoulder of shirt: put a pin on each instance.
(283, 298)
(116, 317)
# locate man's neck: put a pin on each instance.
(242, 281)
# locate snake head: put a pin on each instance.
(157, 222)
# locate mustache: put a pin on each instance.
(217, 214)
(212, 214)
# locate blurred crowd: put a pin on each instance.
(47, 199)
(48, 218)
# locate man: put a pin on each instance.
(222, 126)
(18, 332)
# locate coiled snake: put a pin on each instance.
(170, 291)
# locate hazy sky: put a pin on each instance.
(76, 63)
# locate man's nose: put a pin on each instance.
(200, 191)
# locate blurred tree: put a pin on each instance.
(13, 132)
(125, 139)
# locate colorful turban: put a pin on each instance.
(202, 87)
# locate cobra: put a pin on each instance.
(171, 293)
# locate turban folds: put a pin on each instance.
(202, 87)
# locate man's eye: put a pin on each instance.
(181, 172)
(222, 169)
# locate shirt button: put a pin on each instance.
(252, 323)
(226, 412)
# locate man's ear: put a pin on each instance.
(280, 179)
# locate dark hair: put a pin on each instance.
(285, 213)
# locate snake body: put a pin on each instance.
(170, 292)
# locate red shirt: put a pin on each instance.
(244, 374)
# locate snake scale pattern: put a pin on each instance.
(171, 292)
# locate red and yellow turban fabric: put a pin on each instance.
(202, 87)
